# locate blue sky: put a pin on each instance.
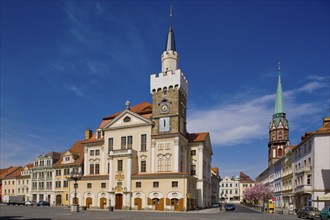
(67, 64)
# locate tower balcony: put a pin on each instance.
(121, 152)
(305, 169)
(303, 189)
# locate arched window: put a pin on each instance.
(279, 152)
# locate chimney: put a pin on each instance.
(326, 121)
(88, 134)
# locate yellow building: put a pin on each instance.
(9, 186)
(69, 160)
(287, 179)
(23, 182)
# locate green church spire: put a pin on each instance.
(279, 107)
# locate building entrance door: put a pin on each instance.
(175, 204)
(119, 201)
(103, 202)
(138, 203)
(58, 200)
(89, 202)
(155, 204)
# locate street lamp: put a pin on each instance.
(75, 176)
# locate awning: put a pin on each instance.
(325, 197)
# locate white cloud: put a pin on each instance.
(245, 121)
(311, 86)
(76, 90)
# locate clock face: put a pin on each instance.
(164, 108)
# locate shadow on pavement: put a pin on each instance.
(19, 217)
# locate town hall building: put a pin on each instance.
(142, 157)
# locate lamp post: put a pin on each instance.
(75, 176)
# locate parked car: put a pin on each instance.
(325, 213)
(309, 212)
(30, 203)
(215, 205)
(230, 207)
(43, 203)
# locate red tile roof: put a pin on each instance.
(7, 171)
(142, 108)
(76, 149)
(245, 178)
(14, 174)
(197, 137)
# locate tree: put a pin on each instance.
(258, 192)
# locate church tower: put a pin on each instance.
(278, 128)
(169, 90)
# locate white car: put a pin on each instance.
(30, 203)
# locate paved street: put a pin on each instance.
(47, 213)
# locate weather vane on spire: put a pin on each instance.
(171, 16)
(279, 68)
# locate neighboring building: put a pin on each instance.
(215, 179)
(3, 173)
(312, 167)
(230, 189)
(71, 159)
(278, 127)
(278, 182)
(43, 177)
(143, 157)
(10, 183)
(287, 179)
(24, 183)
(245, 183)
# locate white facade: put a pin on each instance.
(312, 169)
(230, 189)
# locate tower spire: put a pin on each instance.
(279, 107)
(170, 41)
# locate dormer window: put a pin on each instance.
(67, 159)
(98, 134)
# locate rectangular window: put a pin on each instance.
(66, 197)
(143, 142)
(164, 124)
(110, 144)
(143, 166)
(108, 168)
(155, 184)
(309, 179)
(65, 183)
(168, 164)
(129, 142)
(193, 152)
(91, 169)
(123, 143)
(160, 147)
(66, 171)
(103, 185)
(97, 152)
(193, 170)
(97, 168)
(91, 153)
(138, 184)
(160, 165)
(58, 172)
(175, 184)
(120, 165)
(167, 146)
(67, 159)
(89, 185)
